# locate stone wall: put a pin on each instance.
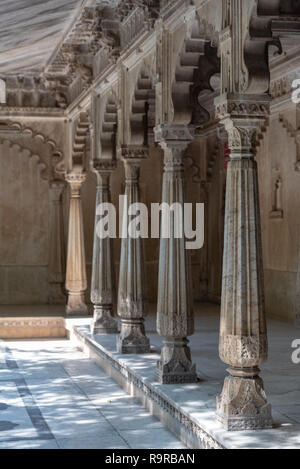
(276, 158)
(24, 216)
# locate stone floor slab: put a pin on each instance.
(53, 397)
(189, 410)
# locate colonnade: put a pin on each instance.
(243, 337)
(242, 107)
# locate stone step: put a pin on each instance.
(32, 327)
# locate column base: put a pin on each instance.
(103, 322)
(175, 365)
(243, 403)
(76, 305)
(132, 338)
(297, 321)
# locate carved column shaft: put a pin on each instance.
(131, 295)
(57, 253)
(174, 306)
(76, 282)
(103, 281)
(243, 333)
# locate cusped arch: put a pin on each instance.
(142, 114)
(44, 170)
(256, 49)
(197, 63)
(56, 155)
(109, 127)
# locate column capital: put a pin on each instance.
(75, 179)
(134, 153)
(242, 106)
(242, 116)
(168, 135)
(104, 166)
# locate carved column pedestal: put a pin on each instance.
(131, 296)
(243, 334)
(57, 255)
(76, 283)
(103, 284)
(174, 308)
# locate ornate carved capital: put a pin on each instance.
(75, 180)
(132, 171)
(242, 116)
(101, 166)
(168, 133)
(243, 106)
(134, 153)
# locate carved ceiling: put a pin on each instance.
(30, 30)
(52, 50)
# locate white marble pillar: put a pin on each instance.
(131, 295)
(175, 304)
(103, 280)
(76, 282)
(57, 252)
(243, 333)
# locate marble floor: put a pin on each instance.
(281, 378)
(53, 397)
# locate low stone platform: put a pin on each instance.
(189, 410)
(32, 327)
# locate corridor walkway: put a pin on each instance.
(52, 396)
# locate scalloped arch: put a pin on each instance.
(57, 154)
(29, 154)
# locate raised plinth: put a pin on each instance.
(189, 410)
(32, 327)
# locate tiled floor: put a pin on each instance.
(52, 397)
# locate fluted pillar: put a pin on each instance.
(131, 295)
(174, 308)
(57, 253)
(103, 281)
(76, 282)
(243, 334)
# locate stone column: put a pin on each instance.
(57, 252)
(76, 282)
(103, 280)
(131, 295)
(174, 308)
(243, 334)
